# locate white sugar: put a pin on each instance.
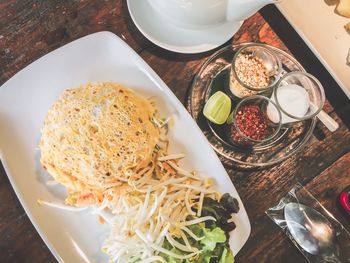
(293, 99)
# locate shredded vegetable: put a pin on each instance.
(158, 208)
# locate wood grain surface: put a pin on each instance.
(30, 29)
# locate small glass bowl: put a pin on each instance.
(271, 63)
(256, 104)
(306, 82)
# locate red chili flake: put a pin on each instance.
(252, 122)
(236, 137)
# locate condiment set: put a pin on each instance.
(264, 98)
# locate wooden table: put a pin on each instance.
(29, 29)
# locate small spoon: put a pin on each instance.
(328, 121)
(311, 230)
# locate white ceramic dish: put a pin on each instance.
(323, 31)
(24, 101)
(167, 35)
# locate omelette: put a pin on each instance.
(95, 137)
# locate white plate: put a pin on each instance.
(163, 33)
(323, 31)
(24, 101)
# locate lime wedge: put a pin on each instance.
(217, 108)
(230, 118)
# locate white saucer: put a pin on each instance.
(163, 33)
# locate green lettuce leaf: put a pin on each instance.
(212, 237)
(227, 256)
(214, 244)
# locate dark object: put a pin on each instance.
(222, 211)
(230, 203)
(344, 199)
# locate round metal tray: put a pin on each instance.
(213, 76)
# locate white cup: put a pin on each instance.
(206, 13)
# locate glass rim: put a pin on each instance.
(278, 125)
(263, 46)
(313, 78)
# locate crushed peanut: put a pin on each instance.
(252, 72)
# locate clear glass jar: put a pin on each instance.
(255, 69)
(299, 96)
(251, 124)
